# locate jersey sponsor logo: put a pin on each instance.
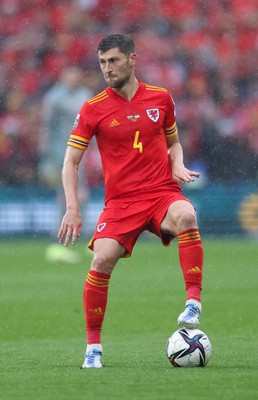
(153, 114)
(133, 118)
(76, 121)
(100, 227)
(113, 123)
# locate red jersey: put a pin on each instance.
(131, 137)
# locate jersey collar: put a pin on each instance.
(136, 96)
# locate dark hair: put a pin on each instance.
(123, 42)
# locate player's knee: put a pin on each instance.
(186, 221)
(102, 264)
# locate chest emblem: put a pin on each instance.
(133, 118)
(153, 114)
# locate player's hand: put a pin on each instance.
(184, 175)
(70, 227)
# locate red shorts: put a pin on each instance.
(124, 221)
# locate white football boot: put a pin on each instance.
(93, 356)
(190, 317)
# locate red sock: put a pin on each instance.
(95, 301)
(191, 261)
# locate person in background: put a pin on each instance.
(60, 106)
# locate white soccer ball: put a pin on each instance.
(189, 348)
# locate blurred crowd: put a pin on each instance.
(204, 52)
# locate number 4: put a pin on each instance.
(136, 143)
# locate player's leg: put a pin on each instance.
(180, 221)
(106, 254)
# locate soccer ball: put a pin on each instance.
(189, 348)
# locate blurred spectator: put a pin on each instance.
(205, 53)
(60, 106)
(19, 141)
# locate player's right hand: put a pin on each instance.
(70, 227)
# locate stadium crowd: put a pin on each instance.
(204, 52)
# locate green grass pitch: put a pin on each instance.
(42, 338)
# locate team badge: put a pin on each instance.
(153, 114)
(100, 227)
(76, 121)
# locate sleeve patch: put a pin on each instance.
(76, 122)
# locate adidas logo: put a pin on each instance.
(194, 270)
(95, 311)
(113, 123)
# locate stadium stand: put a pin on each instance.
(205, 53)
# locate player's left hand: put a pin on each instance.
(184, 175)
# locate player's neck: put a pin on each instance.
(129, 89)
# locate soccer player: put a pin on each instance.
(135, 128)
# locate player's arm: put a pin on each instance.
(179, 172)
(71, 224)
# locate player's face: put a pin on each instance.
(117, 67)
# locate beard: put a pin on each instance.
(117, 83)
